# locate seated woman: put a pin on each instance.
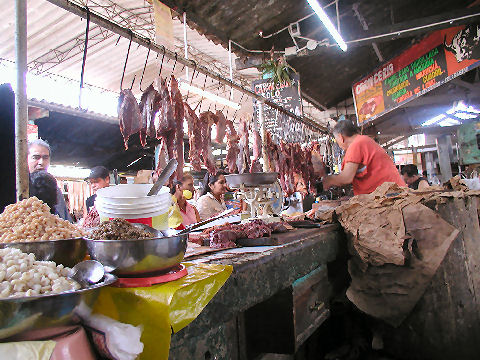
(183, 191)
(44, 186)
(211, 201)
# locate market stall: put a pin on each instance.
(243, 271)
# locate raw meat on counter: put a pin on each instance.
(224, 236)
(128, 115)
(223, 239)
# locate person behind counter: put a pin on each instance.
(183, 191)
(413, 179)
(44, 186)
(98, 179)
(211, 202)
(38, 159)
(365, 164)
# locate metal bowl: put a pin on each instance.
(37, 312)
(142, 256)
(251, 179)
(67, 252)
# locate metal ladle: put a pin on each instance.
(163, 177)
(88, 272)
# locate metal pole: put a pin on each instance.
(185, 39)
(107, 24)
(230, 66)
(21, 110)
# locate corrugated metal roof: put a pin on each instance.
(55, 44)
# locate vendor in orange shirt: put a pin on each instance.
(365, 164)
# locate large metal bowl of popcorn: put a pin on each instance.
(67, 252)
(18, 314)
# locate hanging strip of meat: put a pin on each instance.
(233, 149)
(194, 137)
(149, 105)
(165, 121)
(243, 161)
(257, 152)
(221, 127)
(179, 114)
(207, 119)
(128, 115)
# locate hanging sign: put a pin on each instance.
(440, 57)
(283, 94)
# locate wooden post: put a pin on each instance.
(21, 110)
(444, 146)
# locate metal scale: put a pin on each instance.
(261, 191)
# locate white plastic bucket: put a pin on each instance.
(130, 202)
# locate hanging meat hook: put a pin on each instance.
(126, 60)
(174, 64)
(200, 102)
(236, 110)
(84, 57)
(193, 74)
(144, 66)
(161, 64)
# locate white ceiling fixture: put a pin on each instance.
(328, 23)
(187, 87)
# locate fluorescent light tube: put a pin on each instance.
(328, 24)
(209, 95)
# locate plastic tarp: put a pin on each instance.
(164, 308)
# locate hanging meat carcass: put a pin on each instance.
(149, 106)
(165, 121)
(179, 115)
(257, 152)
(129, 115)
(243, 161)
(232, 147)
(221, 127)
(207, 119)
(194, 137)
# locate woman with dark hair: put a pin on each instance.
(44, 186)
(182, 191)
(365, 164)
(211, 202)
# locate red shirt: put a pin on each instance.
(375, 166)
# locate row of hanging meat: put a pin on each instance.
(161, 114)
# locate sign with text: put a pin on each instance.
(283, 94)
(440, 57)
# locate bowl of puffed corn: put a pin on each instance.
(38, 294)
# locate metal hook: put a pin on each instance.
(161, 64)
(126, 60)
(175, 64)
(193, 74)
(84, 57)
(204, 84)
(144, 66)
